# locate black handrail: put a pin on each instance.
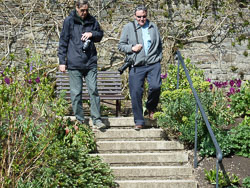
(198, 104)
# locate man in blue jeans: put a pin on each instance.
(77, 53)
(142, 43)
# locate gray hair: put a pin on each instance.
(80, 3)
(141, 7)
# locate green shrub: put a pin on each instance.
(178, 109)
(178, 115)
(224, 140)
(240, 101)
(67, 163)
(38, 148)
(224, 180)
(241, 138)
(246, 182)
(27, 118)
(170, 83)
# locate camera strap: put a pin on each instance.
(137, 41)
(136, 36)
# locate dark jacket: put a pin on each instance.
(70, 44)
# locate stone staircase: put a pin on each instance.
(143, 159)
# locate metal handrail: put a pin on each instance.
(198, 104)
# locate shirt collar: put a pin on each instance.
(148, 23)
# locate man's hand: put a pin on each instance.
(86, 36)
(62, 68)
(137, 48)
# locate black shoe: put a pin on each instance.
(99, 125)
(138, 127)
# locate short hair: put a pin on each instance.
(80, 3)
(141, 7)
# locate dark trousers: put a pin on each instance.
(137, 77)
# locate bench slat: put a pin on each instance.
(86, 97)
(98, 76)
(98, 81)
(101, 92)
(99, 89)
(108, 87)
(99, 72)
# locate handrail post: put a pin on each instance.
(178, 72)
(196, 135)
(217, 173)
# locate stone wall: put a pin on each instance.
(37, 26)
(224, 63)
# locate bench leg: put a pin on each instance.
(118, 108)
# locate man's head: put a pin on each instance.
(82, 8)
(141, 14)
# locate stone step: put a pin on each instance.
(149, 159)
(157, 183)
(138, 146)
(118, 122)
(152, 172)
(130, 134)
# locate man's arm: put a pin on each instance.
(160, 43)
(97, 32)
(63, 43)
(123, 45)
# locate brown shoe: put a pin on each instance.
(151, 115)
(138, 127)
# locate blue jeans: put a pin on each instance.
(137, 77)
(75, 80)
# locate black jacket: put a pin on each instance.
(70, 44)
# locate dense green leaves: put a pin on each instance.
(246, 182)
(241, 138)
(35, 148)
(224, 180)
(178, 112)
(67, 163)
(240, 101)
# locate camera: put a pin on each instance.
(125, 66)
(85, 45)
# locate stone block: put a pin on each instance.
(203, 65)
(205, 57)
(229, 57)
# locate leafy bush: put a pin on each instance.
(37, 146)
(224, 180)
(178, 109)
(246, 182)
(67, 163)
(27, 118)
(170, 83)
(241, 138)
(178, 115)
(224, 140)
(240, 101)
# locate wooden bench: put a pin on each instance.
(109, 86)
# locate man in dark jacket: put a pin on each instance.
(78, 54)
